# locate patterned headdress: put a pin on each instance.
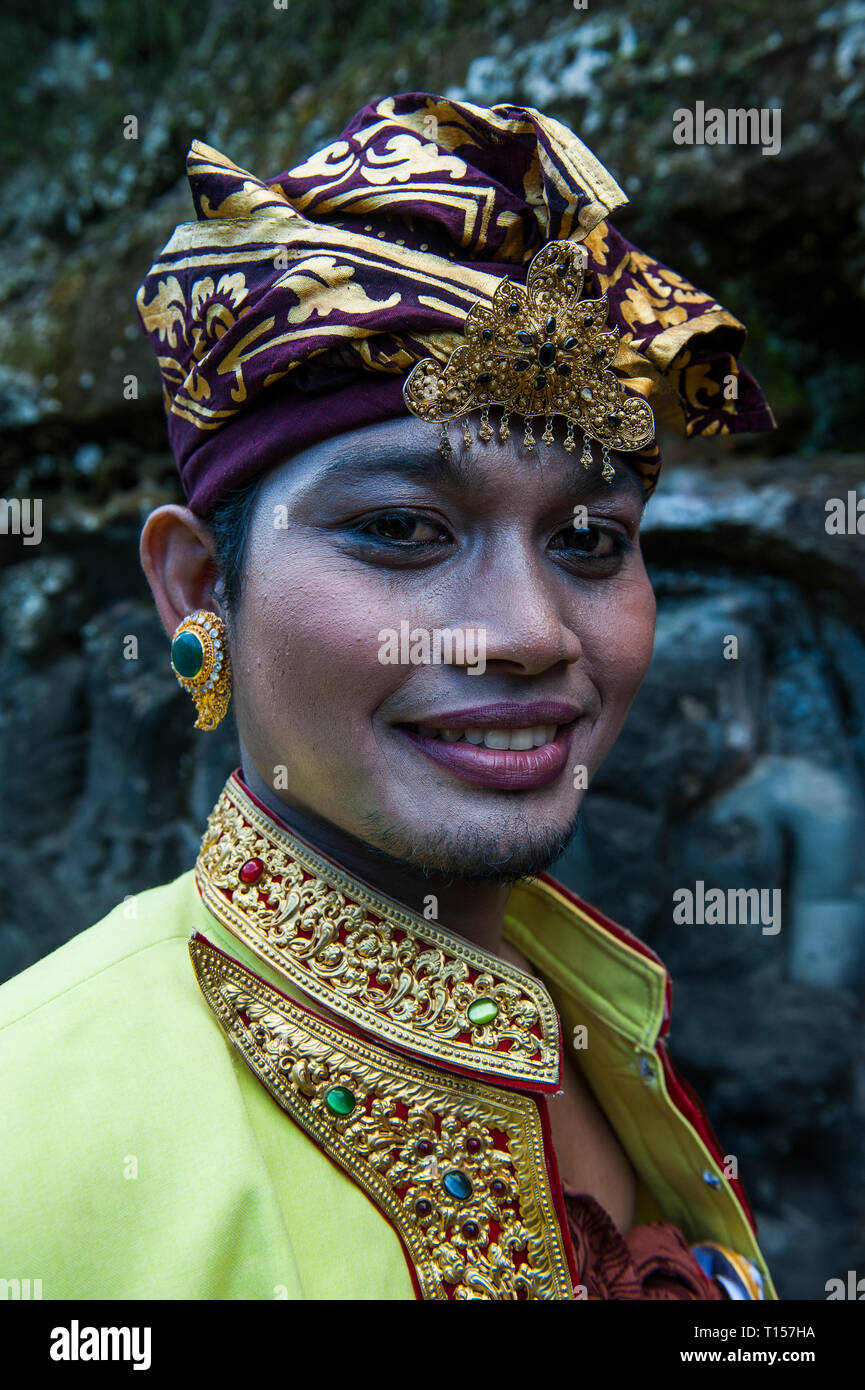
(357, 287)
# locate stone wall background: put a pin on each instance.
(745, 773)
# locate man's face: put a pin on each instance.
(467, 775)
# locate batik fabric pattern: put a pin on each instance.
(295, 307)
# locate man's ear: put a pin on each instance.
(178, 558)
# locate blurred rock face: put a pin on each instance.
(742, 768)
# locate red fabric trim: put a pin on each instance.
(621, 934)
(687, 1101)
(508, 1083)
(597, 916)
(556, 1190)
(682, 1094)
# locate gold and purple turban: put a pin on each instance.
(295, 307)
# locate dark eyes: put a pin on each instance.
(404, 527)
(411, 533)
(595, 541)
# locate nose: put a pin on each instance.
(523, 614)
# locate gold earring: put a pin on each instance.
(199, 660)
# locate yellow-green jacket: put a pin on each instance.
(265, 1080)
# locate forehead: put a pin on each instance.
(407, 448)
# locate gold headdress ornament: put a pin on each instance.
(538, 351)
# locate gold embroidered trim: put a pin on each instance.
(397, 976)
(409, 1127)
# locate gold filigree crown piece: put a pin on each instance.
(538, 351)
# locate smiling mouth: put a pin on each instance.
(517, 740)
(513, 759)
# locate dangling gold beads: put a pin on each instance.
(586, 456)
(445, 446)
(467, 435)
(504, 428)
(199, 660)
(528, 437)
(547, 435)
(608, 472)
(570, 441)
(486, 429)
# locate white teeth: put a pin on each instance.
(517, 739)
(521, 738)
(498, 738)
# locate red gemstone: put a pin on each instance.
(424, 1148)
(473, 1145)
(251, 871)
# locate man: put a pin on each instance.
(366, 1049)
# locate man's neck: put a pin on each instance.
(472, 910)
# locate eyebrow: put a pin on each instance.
(457, 469)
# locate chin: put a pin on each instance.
(470, 853)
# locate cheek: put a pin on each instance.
(619, 641)
(306, 651)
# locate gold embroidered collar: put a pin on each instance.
(410, 982)
(458, 1167)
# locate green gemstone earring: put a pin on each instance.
(199, 660)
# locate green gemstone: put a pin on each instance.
(339, 1100)
(187, 655)
(482, 1011)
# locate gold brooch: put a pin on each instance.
(538, 351)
